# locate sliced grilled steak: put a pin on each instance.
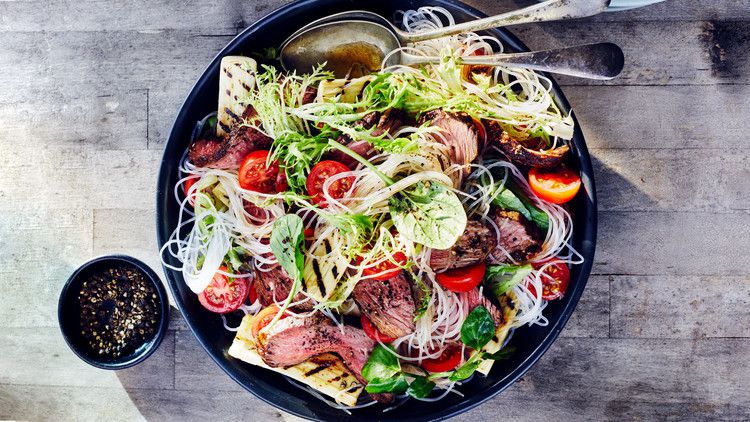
(228, 153)
(388, 304)
(474, 299)
(530, 153)
(457, 132)
(518, 237)
(275, 285)
(387, 122)
(294, 340)
(473, 246)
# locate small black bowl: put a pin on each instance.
(68, 313)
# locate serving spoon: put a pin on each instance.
(364, 39)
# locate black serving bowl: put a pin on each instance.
(530, 342)
(68, 312)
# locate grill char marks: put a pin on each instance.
(388, 304)
(529, 153)
(294, 340)
(473, 246)
(228, 153)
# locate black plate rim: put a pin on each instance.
(589, 232)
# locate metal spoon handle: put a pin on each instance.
(551, 10)
(602, 61)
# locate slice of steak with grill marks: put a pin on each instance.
(528, 153)
(458, 133)
(275, 285)
(293, 340)
(388, 304)
(229, 152)
(475, 244)
(474, 299)
(387, 122)
(520, 238)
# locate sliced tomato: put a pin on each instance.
(221, 295)
(254, 175)
(309, 232)
(557, 186)
(322, 172)
(462, 279)
(373, 332)
(448, 360)
(386, 269)
(253, 295)
(186, 186)
(555, 279)
(263, 318)
(281, 184)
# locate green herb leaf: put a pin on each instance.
(420, 388)
(430, 214)
(539, 217)
(381, 365)
(425, 296)
(507, 200)
(467, 369)
(288, 246)
(397, 385)
(502, 354)
(501, 278)
(234, 260)
(478, 328)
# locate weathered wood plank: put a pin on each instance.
(657, 53)
(39, 356)
(194, 368)
(673, 243)
(40, 403)
(40, 246)
(591, 317)
(670, 117)
(594, 379)
(78, 177)
(142, 15)
(101, 119)
(680, 307)
(672, 179)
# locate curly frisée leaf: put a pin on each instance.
(430, 214)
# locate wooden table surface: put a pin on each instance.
(89, 89)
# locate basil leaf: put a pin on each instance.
(397, 384)
(381, 365)
(502, 278)
(420, 388)
(466, 370)
(502, 354)
(430, 214)
(507, 200)
(539, 217)
(478, 328)
(287, 244)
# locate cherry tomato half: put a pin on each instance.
(186, 188)
(255, 176)
(221, 295)
(253, 295)
(557, 186)
(372, 332)
(385, 270)
(449, 359)
(263, 318)
(555, 279)
(322, 172)
(462, 279)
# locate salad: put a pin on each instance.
(382, 235)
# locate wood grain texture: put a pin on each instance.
(89, 90)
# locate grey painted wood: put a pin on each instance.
(88, 92)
